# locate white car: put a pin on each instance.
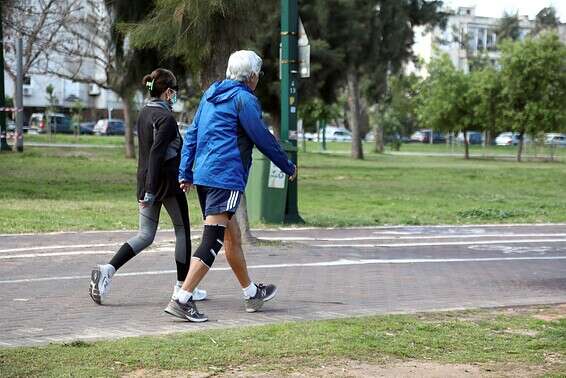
(510, 139)
(336, 134)
(340, 136)
(555, 139)
(306, 136)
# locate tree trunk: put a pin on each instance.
(379, 145)
(129, 115)
(520, 149)
(243, 222)
(354, 113)
(466, 146)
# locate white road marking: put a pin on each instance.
(53, 254)
(507, 249)
(59, 246)
(340, 262)
(473, 244)
(397, 245)
(158, 244)
(420, 237)
(308, 228)
(163, 246)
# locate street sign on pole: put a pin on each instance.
(304, 52)
(289, 97)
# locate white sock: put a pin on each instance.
(250, 291)
(179, 283)
(111, 269)
(183, 296)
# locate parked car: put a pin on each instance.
(555, 139)
(423, 136)
(340, 136)
(60, 123)
(109, 127)
(307, 136)
(336, 134)
(474, 137)
(86, 128)
(510, 139)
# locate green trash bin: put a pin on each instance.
(266, 191)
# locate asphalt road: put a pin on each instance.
(321, 274)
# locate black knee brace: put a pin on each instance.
(212, 242)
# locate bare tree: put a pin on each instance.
(75, 40)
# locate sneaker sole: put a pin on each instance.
(250, 310)
(93, 288)
(174, 312)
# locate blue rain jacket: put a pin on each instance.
(217, 149)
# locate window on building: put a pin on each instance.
(490, 40)
(27, 80)
(472, 39)
(481, 39)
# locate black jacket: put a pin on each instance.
(159, 151)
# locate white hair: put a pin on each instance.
(242, 64)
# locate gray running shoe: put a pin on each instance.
(100, 279)
(264, 293)
(186, 311)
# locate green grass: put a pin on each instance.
(386, 189)
(457, 337)
(71, 139)
(530, 152)
(53, 189)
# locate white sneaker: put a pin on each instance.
(198, 294)
(100, 280)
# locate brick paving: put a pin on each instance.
(321, 274)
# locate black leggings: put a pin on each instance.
(178, 210)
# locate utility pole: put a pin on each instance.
(3, 142)
(19, 100)
(289, 97)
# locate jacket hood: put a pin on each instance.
(225, 90)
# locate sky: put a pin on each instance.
(495, 8)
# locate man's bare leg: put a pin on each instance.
(198, 269)
(235, 254)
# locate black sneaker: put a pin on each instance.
(264, 293)
(187, 311)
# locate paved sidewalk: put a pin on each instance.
(321, 274)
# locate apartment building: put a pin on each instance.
(466, 35)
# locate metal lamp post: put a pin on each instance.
(289, 66)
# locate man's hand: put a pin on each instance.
(294, 177)
(185, 186)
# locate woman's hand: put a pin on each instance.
(148, 200)
(185, 186)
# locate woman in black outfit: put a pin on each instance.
(157, 184)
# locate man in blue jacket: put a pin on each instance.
(216, 159)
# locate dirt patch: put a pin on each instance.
(356, 369)
(542, 312)
(143, 373)
(551, 313)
